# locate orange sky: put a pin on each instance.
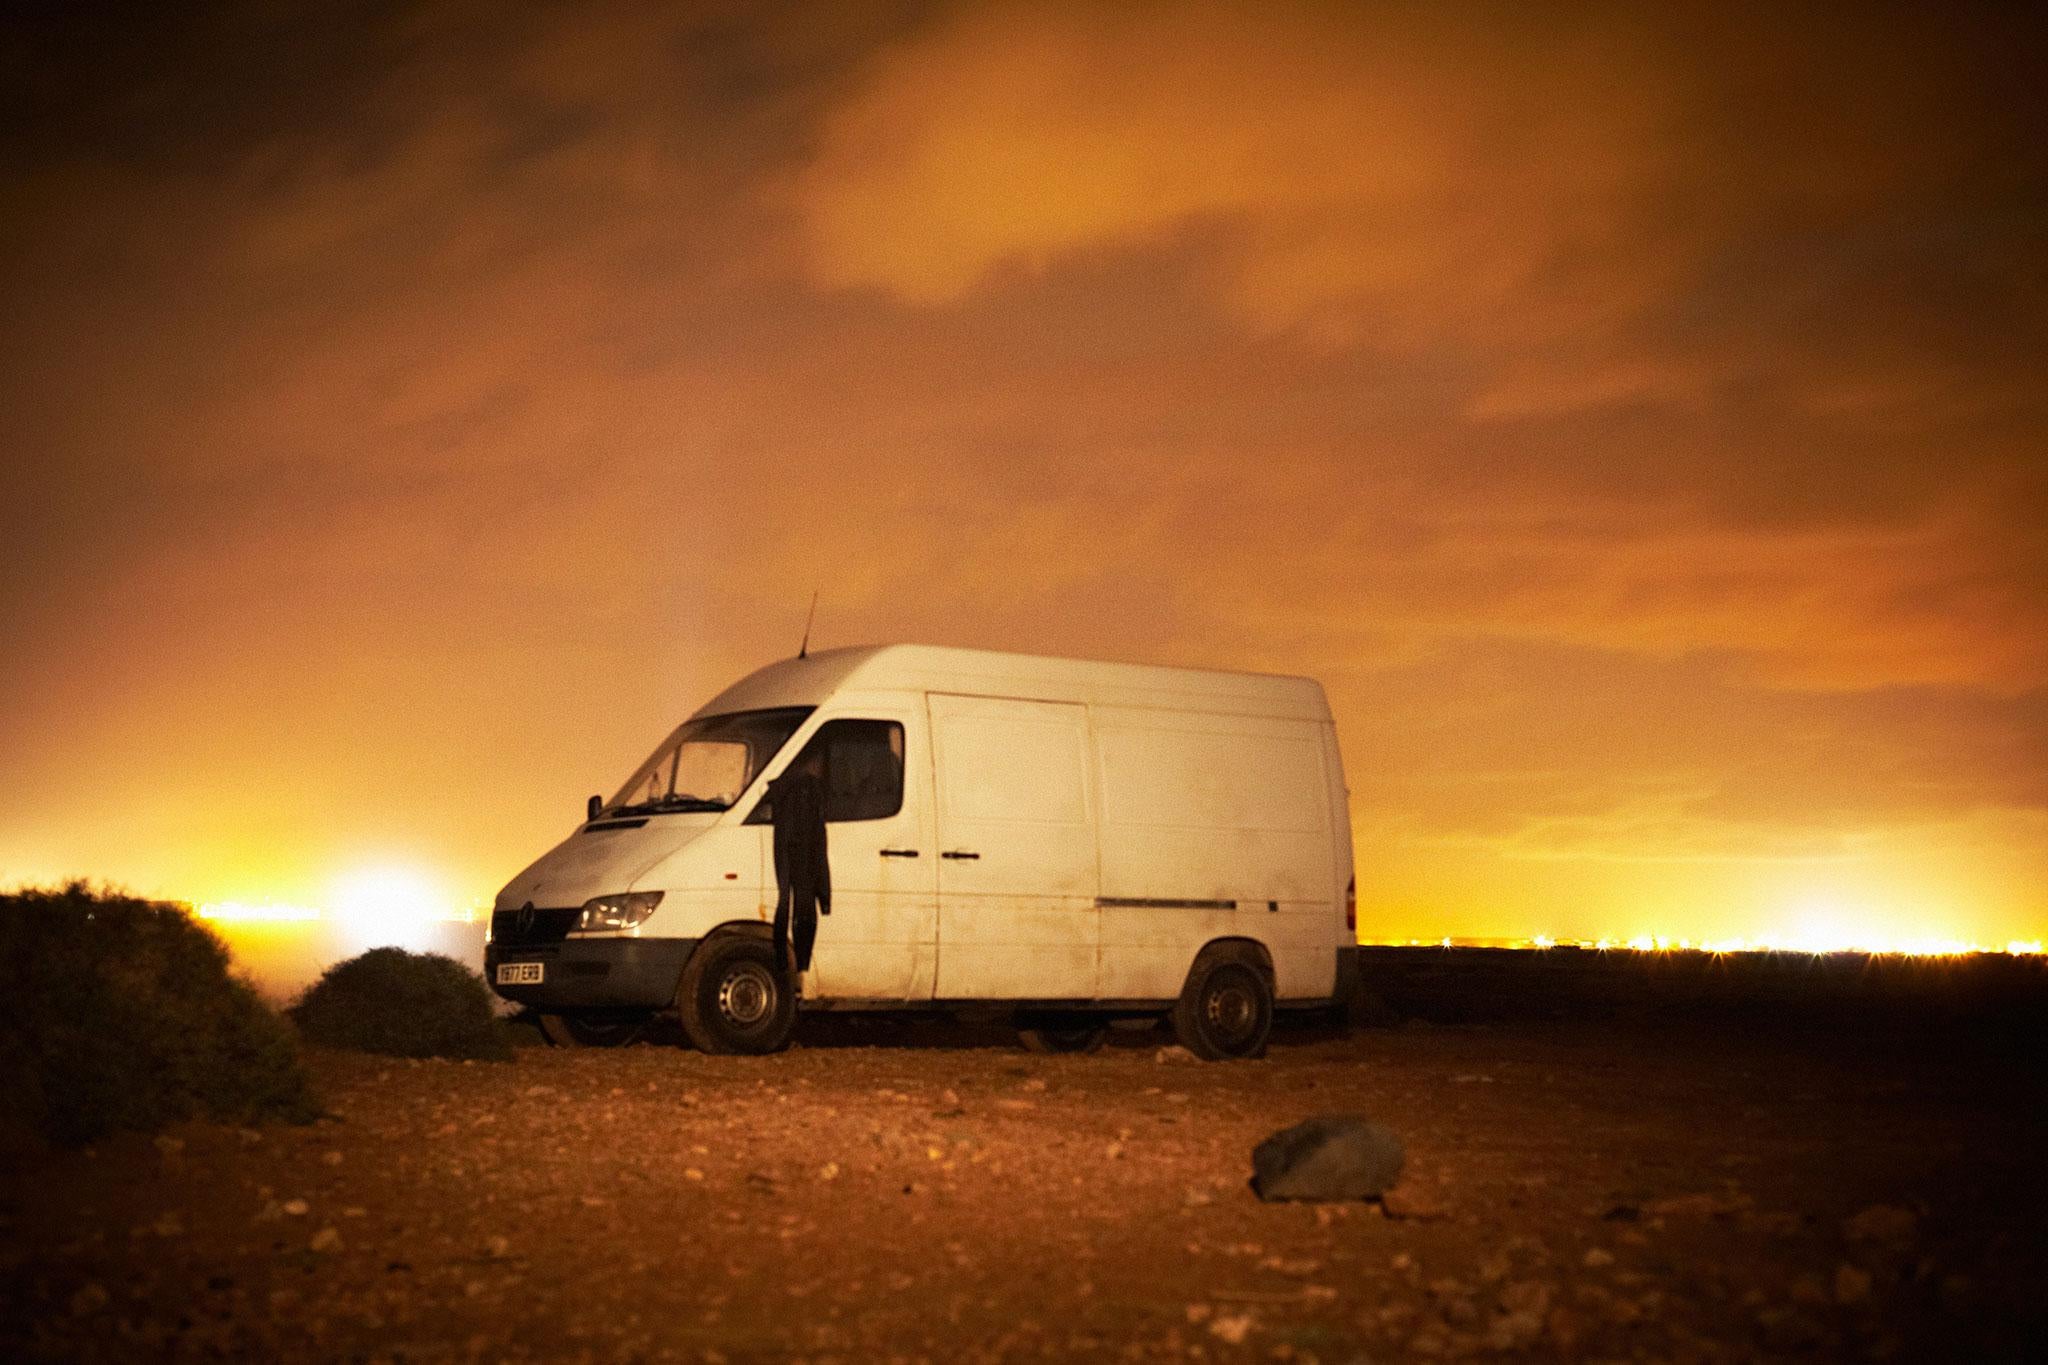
(1635, 419)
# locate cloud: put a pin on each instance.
(1632, 419)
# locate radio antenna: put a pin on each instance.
(805, 648)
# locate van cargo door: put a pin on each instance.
(1017, 866)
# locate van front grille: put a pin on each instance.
(528, 928)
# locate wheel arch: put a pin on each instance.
(737, 928)
(1249, 951)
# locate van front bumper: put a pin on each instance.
(593, 973)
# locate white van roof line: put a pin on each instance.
(944, 668)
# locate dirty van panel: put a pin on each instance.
(1213, 826)
(1147, 949)
(1211, 807)
(1017, 851)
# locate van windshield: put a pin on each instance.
(707, 762)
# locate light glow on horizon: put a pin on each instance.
(264, 912)
(1799, 944)
(385, 904)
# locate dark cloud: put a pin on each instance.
(1635, 416)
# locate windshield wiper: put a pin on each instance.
(679, 802)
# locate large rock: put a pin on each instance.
(1329, 1157)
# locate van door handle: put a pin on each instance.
(899, 853)
(961, 854)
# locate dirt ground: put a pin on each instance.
(925, 1192)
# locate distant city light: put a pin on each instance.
(377, 905)
(241, 912)
(1929, 946)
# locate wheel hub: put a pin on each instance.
(1231, 1011)
(746, 995)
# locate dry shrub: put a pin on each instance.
(403, 1004)
(121, 1013)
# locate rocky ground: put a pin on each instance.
(925, 1192)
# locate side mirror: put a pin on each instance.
(592, 807)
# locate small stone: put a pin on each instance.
(1697, 1205)
(829, 1171)
(325, 1240)
(331, 1159)
(1299, 1269)
(1597, 1258)
(1174, 1054)
(1232, 1328)
(296, 1207)
(1329, 1157)
(497, 1248)
(1852, 1285)
(692, 1173)
(169, 1224)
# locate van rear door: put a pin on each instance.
(1017, 866)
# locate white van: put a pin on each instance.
(1073, 841)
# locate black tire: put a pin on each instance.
(734, 998)
(584, 1030)
(1061, 1032)
(1225, 1012)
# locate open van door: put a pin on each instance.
(1018, 879)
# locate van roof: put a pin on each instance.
(943, 668)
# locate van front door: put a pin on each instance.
(879, 941)
(1016, 844)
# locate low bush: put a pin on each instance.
(121, 1013)
(402, 1004)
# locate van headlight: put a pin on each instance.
(623, 911)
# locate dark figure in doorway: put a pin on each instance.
(803, 875)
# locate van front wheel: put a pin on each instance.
(734, 998)
(1225, 1011)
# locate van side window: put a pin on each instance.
(863, 770)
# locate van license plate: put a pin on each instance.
(520, 973)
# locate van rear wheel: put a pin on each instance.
(1060, 1032)
(1225, 1011)
(734, 997)
(578, 1030)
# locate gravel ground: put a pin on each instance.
(922, 1192)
